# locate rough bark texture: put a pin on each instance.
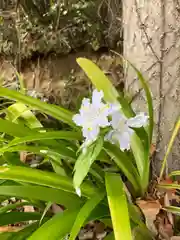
(152, 43)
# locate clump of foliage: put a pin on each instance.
(98, 163)
(43, 27)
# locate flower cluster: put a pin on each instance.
(97, 114)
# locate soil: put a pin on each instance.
(59, 78)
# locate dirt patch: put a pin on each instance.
(59, 78)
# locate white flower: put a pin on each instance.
(122, 129)
(92, 116)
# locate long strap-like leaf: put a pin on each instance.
(118, 207)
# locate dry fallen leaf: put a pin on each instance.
(165, 229)
(167, 204)
(150, 210)
(10, 229)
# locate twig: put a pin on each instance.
(58, 15)
(143, 27)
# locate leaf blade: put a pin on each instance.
(50, 109)
(83, 214)
(43, 178)
(84, 162)
(118, 207)
(57, 227)
(41, 193)
(99, 79)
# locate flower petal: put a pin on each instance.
(108, 137)
(86, 102)
(113, 108)
(91, 133)
(97, 97)
(122, 138)
(124, 141)
(118, 121)
(139, 120)
(103, 122)
(78, 119)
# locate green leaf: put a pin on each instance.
(125, 164)
(148, 97)
(50, 109)
(13, 159)
(67, 135)
(43, 178)
(19, 130)
(172, 209)
(17, 110)
(174, 173)
(125, 106)
(61, 224)
(174, 134)
(110, 236)
(41, 193)
(24, 233)
(48, 206)
(6, 235)
(139, 145)
(118, 207)
(43, 150)
(99, 79)
(169, 186)
(15, 217)
(141, 156)
(84, 162)
(84, 213)
(57, 227)
(10, 207)
(13, 129)
(141, 233)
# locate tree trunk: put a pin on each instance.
(152, 44)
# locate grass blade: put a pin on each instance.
(118, 207)
(174, 134)
(83, 214)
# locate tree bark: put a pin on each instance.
(152, 44)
